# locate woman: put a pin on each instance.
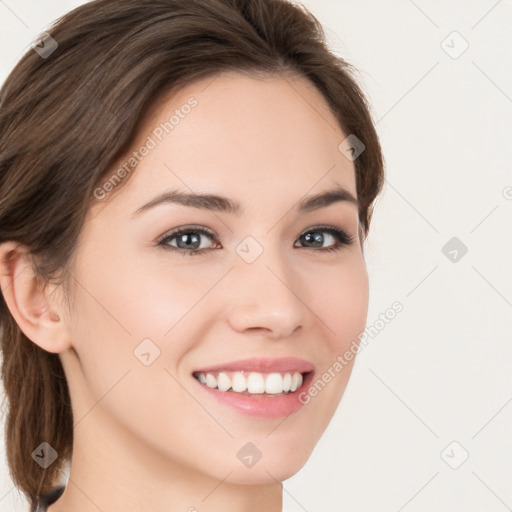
(185, 192)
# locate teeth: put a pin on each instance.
(287, 382)
(239, 382)
(223, 382)
(211, 381)
(274, 383)
(255, 383)
(296, 381)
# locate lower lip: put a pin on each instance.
(263, 406)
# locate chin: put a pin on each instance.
(265, 473)
(273, 462)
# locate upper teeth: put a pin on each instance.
(255, 382)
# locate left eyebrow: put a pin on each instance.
(224, 204)
(326, 198)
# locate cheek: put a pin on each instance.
(124, 311)
(112, 319)
(123, 304)
(340, 300)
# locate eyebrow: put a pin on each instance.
(224, 204)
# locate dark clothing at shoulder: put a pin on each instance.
(47, 498)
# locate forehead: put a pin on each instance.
(268, 137)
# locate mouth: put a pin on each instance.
(258, 387)
(253, 383)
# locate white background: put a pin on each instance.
(440, 371)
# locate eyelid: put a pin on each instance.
(178, 230)
(349, 239)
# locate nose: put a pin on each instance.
(265, 298)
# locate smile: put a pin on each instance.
(259, 387)
(252, 383)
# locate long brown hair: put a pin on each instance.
(68, 116)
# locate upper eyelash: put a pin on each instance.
(344, 239)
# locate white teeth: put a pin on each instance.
(211, 381)
(239, 382)
(223, 382)
(296, 381)
(274, 383)
(257, 383)
(287, 382)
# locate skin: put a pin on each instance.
(146, 437)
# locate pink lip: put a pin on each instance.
(263, 365)
(262, 406)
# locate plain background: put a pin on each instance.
(439, 372)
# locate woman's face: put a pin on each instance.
(256, 293)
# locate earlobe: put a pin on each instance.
(31, 306)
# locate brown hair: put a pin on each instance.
(65, 119)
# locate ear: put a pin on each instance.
(34, 309)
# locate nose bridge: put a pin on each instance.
(266, 296)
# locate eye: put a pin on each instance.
(342, 239)
(188, 239)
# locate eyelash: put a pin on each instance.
(343, 239)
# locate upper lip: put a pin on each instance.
(263, 365)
